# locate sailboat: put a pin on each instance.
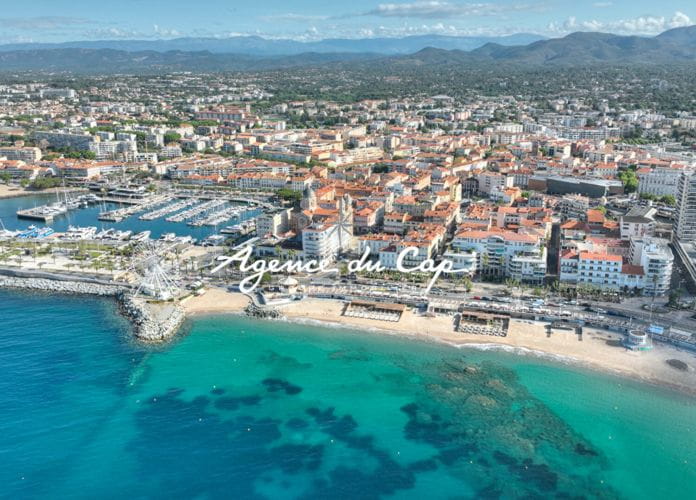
(5, 233)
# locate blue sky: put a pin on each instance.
(62, 20)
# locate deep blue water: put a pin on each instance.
(235, 408)
(88, 217)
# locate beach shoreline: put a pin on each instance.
(7, 192)
(597, 351)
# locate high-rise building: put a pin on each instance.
(28, 154)
(685, 226)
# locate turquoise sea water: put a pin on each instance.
(237, 408)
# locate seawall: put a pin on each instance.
(152, 322)
(62, 286)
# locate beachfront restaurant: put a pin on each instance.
(380, 311)
(483, 323)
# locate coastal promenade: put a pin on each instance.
(596, 348)
(157, 321)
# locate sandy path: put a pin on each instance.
(215, 300)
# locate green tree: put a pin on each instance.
(171, 137)
(668, 199)
(45, 182)
(289, 194)
(629, 180)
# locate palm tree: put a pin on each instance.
(485, 261)
(654, 293)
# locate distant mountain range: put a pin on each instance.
(674, 46)
(110, 61)
(258, 46)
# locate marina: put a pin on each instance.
(218, 217)
(121, 213)
(48, 212)
(196, 210)
(89, 213)
(241, 229)
(45, 213)
(169, 209)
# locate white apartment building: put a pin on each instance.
(320, 241)
(357, 155)
(106, 150)
(506, 253)
(170, 152)
(274, 223)
(466, 261)
(489, 180)
(600, 270)
(389, 255)
(658, 181)
(573, 206)
(639, 222)
(260, 181)
(301, 182)
(528, 267)
(656, 259)
(28, 154)
(376, 242)
(511, 128)
(53, 93)
(685, 217)
(649, 272)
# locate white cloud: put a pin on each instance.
(643, 25)
(602, 5)
(40, 22)
(164, 32)
(436, 9)
(295, 18)
(112, 33)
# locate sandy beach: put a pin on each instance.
(17, 191)
(215, 301)
(13, 191)
(598, 349)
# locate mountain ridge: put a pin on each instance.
(259, 46)
(676, 45)
(582, 48)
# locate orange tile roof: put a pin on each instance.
(600, 256)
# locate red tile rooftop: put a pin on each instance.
(570, 254)
(595, 216)
(632, 270)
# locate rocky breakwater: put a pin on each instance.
(152, 322)
(49, 285)
(255, 311)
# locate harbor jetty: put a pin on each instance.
(60, 286)
(169, 209)
(152, 321)
(119, 214)
(256, 311)
(196, 210)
